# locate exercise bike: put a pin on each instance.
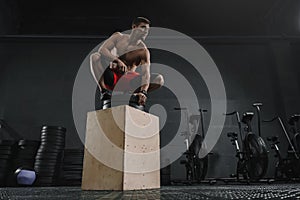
(285, 167)
(196, 167)
(252, 154)
(293, 120)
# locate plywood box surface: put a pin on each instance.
(121, 150)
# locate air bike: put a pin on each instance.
(287, 168)
(293, 122)
(251, 149)
(196, 167)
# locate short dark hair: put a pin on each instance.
(139, 20)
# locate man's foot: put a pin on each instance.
(106, 98)
(133, 102)
(105, 95)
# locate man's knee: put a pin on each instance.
(159, 80)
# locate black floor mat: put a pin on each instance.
(264, 191)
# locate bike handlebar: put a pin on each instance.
(178, 108)
(232, 113)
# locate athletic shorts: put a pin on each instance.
(125, 81)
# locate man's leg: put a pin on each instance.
(97, 70)
(98, 102)
(96, 66)
(108, 80)
(156, 81)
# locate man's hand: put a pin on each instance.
(119, 66)
(142, 98)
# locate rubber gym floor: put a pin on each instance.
(216, 191)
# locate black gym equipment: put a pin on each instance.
(72, 166)
(201, 163)
(23, 157)
(263, 147)
(49, 157)
(196, 167)
(293, 120)
(7, 151)
(286, 168)
(252, 154)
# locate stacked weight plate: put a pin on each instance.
(23, 157)
(7, 150)
(72, 169)
(48, 160)
(26, 152)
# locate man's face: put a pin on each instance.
(141, 31)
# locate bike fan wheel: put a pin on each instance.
(200, 164)
(294, 166)
(257, 162)
(297, 142)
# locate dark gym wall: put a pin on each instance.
(254, 43)
(8, 17)
(38, 74)
(37, 81)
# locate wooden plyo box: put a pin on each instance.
(121, 150)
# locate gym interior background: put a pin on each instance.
(255, 45)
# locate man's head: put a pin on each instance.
(137, 21)
(140, 27)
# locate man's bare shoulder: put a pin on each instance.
(119, 34)
(142, 45)
(115, 37)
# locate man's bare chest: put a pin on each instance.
(124, 47)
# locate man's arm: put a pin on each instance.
(106, 50)
(145, 79)
(146, 72)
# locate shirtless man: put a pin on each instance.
(130, 53)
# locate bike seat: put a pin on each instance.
(257, 104)
(247, 117)
(293, 119)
